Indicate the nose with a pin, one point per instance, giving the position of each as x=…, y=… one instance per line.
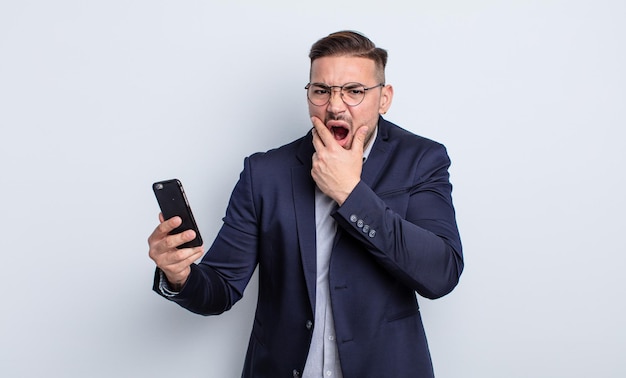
x=335, y=103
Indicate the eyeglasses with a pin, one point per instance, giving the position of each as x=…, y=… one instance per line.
x=352, y=94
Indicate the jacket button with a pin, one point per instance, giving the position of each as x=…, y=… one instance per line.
x=366, y=229
x=309, y=325
x=372, y=233
x=296, y=373
x=353, y=218
x=360, y=223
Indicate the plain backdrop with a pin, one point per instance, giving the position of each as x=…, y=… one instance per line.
x=98, y=99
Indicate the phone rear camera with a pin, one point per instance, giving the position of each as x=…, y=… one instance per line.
x=159, y=186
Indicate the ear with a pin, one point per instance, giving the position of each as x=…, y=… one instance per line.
x=385, y=99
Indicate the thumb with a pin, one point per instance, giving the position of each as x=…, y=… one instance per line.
x=359, y=139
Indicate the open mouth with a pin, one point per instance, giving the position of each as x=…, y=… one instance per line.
x=339, y=132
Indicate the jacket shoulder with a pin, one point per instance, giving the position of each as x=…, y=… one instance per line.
x=401, y=135
x=409, y=145
x=286, y=153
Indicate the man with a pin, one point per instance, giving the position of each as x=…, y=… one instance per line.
x=345, y=225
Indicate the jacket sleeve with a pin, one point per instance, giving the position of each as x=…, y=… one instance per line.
x=219, y=280
x=411, y=230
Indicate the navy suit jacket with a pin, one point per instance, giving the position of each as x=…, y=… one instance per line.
x=397, y=235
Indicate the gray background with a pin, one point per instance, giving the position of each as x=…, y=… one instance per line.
x=100, y=99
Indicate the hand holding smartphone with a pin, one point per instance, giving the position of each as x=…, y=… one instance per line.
x=173, y=202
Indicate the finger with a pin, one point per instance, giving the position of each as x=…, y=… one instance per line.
x=161, y=219
x=164, y=251
x=181, y=258
x=177, y=262
x=168, y=225
x=359, y=139
x=176, y=240
x=317, y=141
x=195, y=255
x=163, y=229
x=322, y=131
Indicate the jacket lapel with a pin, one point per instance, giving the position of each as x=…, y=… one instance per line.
x=304, y=202
x=377, y=159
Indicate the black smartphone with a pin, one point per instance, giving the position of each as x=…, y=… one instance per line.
x=173, y=202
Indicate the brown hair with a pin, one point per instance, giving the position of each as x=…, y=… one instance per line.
x=350, y=43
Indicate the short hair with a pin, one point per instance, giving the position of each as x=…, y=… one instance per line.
x=350, y=43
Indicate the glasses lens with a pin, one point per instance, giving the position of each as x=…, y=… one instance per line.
x=318, y=94
x=353, y=93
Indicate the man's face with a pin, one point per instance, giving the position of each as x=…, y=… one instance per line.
x=342, y=120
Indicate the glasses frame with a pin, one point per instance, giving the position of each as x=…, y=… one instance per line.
x=330, y=89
